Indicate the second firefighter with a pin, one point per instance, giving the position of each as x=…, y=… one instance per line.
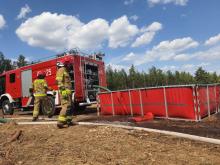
x=65, y=90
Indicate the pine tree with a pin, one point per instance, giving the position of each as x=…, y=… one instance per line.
x=201, y=76
x=132, y=77
x=5, y=64
x=21, y=61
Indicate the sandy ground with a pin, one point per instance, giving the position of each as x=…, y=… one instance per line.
x=101, y=145
x=45, y=144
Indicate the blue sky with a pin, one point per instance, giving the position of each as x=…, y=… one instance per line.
x=169, y=34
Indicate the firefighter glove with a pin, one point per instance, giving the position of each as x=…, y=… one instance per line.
x=65, y=93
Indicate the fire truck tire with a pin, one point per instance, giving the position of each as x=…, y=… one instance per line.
x=48, y=108
x=7, y=108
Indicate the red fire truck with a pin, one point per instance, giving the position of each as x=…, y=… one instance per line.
x=85, y=71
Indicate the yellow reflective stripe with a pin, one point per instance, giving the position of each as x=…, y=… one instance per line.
x=40, y=94
x=59, y=78
x=61, y=118
x=39, y=80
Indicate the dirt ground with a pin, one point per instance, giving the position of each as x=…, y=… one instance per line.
x=208, y=127
x=101, y=145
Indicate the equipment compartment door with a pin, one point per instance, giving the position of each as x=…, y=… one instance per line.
x=91, y=78
x=26, y=79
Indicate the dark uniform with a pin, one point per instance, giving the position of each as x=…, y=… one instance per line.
x=64, y=85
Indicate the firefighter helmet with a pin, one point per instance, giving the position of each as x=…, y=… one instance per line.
x=60, y=64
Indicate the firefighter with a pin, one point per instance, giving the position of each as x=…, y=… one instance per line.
x=65, y=90
x=39, y=88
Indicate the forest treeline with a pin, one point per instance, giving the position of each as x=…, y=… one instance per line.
x=8, y=64
x=120, y=79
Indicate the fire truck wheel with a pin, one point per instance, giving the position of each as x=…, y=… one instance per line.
x=7, y=108
x=48, y=108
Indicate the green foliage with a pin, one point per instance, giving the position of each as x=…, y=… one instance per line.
x=5, y=64
x=21, y=61
x=119, y=79
x=201, y=76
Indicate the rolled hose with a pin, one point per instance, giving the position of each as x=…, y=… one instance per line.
x=2, y=120
x=101, y=87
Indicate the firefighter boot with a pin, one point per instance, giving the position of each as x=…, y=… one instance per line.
x=61, y=121
x=69, y=117
x=69, y=121
x=34, y=118
x=60, y=125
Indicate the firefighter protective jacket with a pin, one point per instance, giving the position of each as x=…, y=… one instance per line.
x=40, y=87
x=63, y=79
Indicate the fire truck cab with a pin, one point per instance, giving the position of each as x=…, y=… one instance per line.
x=84, y=71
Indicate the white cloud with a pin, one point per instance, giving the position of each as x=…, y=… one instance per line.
x=213, y=40
x=192, y=67
x=67, y=32
x=129, y=57
x=134, y=17
x=166, y=50
x=88, y=37
x=169, y=67
x=128, y=2
x=155, y=26
x=185, y=67
x=177, y=45
x=149, y=34
x=182, y=57
x=2, y=22
x=118, y=67
x=176, y=2
x=121, y=32
x=144, y=39
x=211, y=54
x=23, y=12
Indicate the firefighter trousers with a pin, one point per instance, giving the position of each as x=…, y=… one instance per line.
x=66, y=112
x=38, y=101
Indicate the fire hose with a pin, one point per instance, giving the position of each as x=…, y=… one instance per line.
x=101, y=87
x=2, y=120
